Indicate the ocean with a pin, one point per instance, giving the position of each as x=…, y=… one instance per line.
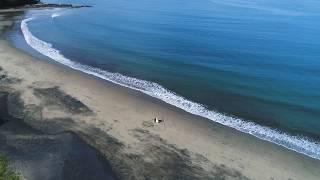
x=253, y=65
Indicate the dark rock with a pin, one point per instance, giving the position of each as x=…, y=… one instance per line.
x=12, y=3
x=40, y=5
x=34, y=4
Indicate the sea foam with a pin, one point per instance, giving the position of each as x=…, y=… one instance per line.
x=54, y=15
x=299, y=144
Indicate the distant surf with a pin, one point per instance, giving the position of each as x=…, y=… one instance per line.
x=54, y=15
x=299, y=144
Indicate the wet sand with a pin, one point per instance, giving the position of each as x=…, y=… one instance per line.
x=118, y=122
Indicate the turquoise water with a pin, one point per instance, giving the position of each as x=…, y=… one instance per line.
x=250, y=61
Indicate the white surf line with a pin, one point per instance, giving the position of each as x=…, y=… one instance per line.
x=299, y=144
x=54, y=15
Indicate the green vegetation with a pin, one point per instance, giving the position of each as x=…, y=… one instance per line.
x=5, y=173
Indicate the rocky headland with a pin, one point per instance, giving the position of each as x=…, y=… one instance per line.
x=20, y=5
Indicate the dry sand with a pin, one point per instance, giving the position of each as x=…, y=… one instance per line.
x=118, y=122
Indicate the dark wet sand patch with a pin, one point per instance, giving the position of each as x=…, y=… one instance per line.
x=56, y=97
x=163, y=158
x=15, y=105
x=5, y=80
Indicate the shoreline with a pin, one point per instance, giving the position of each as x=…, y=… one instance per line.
x=237, y=151
x=301, y=144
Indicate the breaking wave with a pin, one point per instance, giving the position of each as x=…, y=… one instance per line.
x=54, y=15
x=299, y=144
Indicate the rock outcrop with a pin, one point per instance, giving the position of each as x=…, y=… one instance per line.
x=12, y=3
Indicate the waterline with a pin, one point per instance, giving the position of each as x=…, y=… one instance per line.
x=299, y=144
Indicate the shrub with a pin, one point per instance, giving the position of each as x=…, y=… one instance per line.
x=5, y=173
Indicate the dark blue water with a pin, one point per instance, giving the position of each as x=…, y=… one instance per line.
x=257, y=60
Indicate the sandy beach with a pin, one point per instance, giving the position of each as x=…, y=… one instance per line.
x=118, y=122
